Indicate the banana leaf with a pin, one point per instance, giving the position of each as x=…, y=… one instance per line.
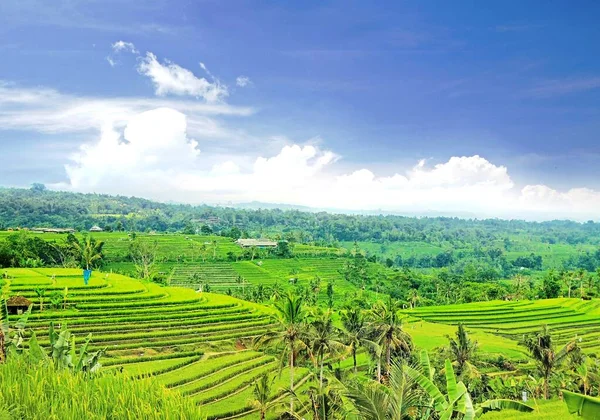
x=586, y=407
x=502, y=404
x=429, y=387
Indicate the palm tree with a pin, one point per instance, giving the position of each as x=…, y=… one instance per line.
x=547, y=358
x=90, y=251
x=214, y=244
x=324, y=337
x=326, y=402
x=387, y=326
x=291, y=318
x=356, y=332
x=567, y=279
x=462, y=348
x=413, y=298
x=519, y=281
x=262, y=398
x=375, y=401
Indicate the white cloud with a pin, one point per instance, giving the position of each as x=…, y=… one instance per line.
x=243, y=81
x=154, y=157
x=111, y=61
x=169, y=78
x=121, y=46
x=150, y=147
x=49, y=111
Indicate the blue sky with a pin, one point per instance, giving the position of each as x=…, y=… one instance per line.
x=336, y=93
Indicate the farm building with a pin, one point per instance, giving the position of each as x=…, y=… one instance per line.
x=96, y=229
x=259, y=243
x=53, y=230
x=16, y=305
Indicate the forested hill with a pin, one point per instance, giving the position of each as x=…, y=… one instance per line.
x=39, y=207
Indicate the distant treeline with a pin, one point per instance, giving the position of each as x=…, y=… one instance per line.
x=39, y=207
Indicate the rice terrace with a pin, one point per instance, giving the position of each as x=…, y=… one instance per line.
x=299, y=210
x=222, y=327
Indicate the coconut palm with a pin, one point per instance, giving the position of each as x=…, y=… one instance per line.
x=325, y=341
x=90, y=251
x=543, y=351
x=462, y=349
x=291, y=333
x=386, y=323
x=413, y=298
x=356, y=332
x=375, y=401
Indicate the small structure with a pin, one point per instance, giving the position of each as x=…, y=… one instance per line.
x=96, y=228
x=16, y=305
x=259, y=243
x=53, y=230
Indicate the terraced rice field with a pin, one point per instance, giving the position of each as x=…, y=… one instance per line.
x=220, y=275
x=568, y=319
x=194, y=343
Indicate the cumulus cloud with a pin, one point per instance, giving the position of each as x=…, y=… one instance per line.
x=242, y=81
x=171, y=79
x=150, y=147
x=122, y=46
x=153, y=156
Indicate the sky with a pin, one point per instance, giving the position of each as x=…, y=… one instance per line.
x=478, y=109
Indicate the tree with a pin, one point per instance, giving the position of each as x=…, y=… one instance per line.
x=325, y=340
x=567, y=279
x=374, y=401
x=519, y=282
x=38, y=187
x=462, y=348
x=356, y=332
x=550, y=285
x=291, y=317
x=548, y=359
x=143, y=254
x=261, y=395
x=330, y=295
x=387, y=325
x=90, y=252
x=413, y=298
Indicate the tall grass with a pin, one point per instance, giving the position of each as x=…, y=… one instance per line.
x=32, y=391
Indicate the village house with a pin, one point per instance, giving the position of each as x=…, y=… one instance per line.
x=259, y=243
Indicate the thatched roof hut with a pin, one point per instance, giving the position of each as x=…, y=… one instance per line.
x=16, y=305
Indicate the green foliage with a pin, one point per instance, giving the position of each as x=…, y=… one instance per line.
x=584, y=406
x=35, y=391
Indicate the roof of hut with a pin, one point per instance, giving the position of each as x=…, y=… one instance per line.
x=18, y=301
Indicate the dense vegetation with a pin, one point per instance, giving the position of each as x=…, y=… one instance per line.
x=346, y=317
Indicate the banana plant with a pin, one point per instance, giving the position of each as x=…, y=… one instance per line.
x=3, y=329
x=63, y=351
x=11, y=340
x=457, y=400
x=583, y=405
